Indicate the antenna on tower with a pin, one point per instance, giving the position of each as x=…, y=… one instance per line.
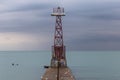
x=60, y=3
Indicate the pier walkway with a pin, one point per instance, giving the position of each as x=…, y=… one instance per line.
x=64, y=74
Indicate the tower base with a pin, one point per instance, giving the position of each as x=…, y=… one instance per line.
x=64, y=74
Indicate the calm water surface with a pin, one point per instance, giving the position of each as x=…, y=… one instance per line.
x=85, y=65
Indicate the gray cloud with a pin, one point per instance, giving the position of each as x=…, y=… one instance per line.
x=28, y=7
x=97, y=11
x=95, y=42
x=79, y=24
x=31, y=7
x=105, y=17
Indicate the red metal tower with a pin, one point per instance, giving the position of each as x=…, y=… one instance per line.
x=58, y=69
x=58, y=50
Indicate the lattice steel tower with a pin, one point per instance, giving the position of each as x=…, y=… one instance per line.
x=58, y=69
x=58, y=49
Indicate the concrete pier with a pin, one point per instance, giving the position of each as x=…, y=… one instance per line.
x=64, y=74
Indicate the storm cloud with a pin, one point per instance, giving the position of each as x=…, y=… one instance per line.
x=88, y=25
x=96, y=42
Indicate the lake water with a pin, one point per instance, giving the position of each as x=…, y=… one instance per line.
x=85, y=65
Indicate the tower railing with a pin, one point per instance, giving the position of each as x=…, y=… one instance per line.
x=58, y=12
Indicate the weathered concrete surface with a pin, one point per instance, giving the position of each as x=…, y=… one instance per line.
x=64, y=74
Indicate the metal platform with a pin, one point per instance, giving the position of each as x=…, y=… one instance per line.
x=64, y=74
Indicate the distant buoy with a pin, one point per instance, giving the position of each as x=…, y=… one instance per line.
x=13, y=64
x=17, y=64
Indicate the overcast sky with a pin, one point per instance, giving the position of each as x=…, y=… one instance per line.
x=88, y=24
